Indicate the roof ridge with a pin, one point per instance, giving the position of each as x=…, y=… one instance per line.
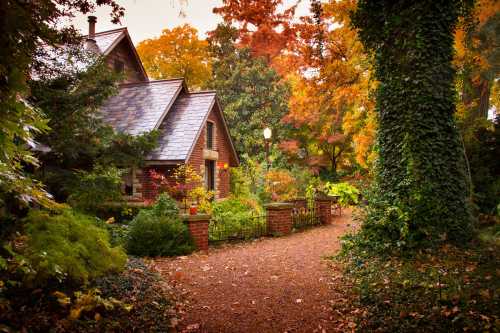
x=106, y=32
x=149, y=82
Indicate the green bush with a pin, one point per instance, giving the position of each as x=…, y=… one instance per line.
x=158, y=231
x=349, y=195
x=121, y=212
x=118, y=232
x=68, y=247
x=233, y=214
x=93, y=188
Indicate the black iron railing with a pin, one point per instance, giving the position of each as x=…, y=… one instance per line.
x=237, y=228
x=304, y=216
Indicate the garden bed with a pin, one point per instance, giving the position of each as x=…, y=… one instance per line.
x=134, y=300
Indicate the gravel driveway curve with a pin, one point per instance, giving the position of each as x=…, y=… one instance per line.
x=268, y=285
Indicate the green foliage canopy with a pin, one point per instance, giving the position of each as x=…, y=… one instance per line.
x=35, y=23
x=80, y=144
x=250, y=92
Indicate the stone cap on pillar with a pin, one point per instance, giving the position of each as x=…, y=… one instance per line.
x=278, y=206
x=195, y=218
x=326, y=197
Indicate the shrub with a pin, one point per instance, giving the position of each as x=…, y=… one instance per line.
x=118, y=232
x=240, y=182
x=68, y=247
x=96, y=187
x=121, y=212
x=158, y=231
x=201, y=198
x=234, y=214
x=165, y=206
x=304, y=179
x=349, y=195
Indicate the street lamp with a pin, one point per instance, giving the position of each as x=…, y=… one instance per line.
x=267, y=137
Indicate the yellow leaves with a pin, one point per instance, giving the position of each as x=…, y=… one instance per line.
x=62, y=298
x=177, y=53
x=89, y=302
x=75, y=313
x=281, y=185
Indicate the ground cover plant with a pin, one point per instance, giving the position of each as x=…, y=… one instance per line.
x=449, y=289
x=131, y=301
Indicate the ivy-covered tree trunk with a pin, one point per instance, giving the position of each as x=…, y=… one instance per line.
x=421, y=160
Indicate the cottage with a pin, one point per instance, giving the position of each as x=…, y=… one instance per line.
x=191, y=124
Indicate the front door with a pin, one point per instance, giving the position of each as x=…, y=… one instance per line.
x=210, y=175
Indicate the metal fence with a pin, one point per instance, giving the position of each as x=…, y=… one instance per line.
x=239, y=228
x=304, y=216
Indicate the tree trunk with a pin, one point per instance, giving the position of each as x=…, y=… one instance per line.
x=484, y=99
x=421, y=164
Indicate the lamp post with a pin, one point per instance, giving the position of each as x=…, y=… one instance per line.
x=267, y=137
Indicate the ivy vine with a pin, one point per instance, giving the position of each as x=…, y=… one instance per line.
x=421, y=167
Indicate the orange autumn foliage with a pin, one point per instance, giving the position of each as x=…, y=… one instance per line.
x=262, y=26
x=477, y=59
x=177, y=53
x=331, y=108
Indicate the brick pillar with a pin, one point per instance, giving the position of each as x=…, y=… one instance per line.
x=198, y=228
x=279, y=218
x=324, y=209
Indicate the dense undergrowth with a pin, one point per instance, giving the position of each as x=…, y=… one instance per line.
x=435, y=289
x=132, y=301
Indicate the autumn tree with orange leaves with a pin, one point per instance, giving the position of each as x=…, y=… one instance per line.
x=262, y=26
x=331, y=111
x=477, y=55
x=177, y=53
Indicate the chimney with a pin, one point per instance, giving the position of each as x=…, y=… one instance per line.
x=92, y=21
x=91, y=44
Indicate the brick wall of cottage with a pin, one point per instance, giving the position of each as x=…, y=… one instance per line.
x=224, y=156
x=143, y=183
x=123, y=53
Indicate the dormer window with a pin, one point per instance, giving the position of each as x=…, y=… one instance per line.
x=210, y=135
x=119, y=66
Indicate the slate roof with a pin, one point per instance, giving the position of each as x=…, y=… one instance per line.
x=106, y=39
x=141, y=107
x=179, y=131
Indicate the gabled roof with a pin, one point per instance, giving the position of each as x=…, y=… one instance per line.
x=106, y=41
x=183, y=126
x=141, y=107
x=179, y=131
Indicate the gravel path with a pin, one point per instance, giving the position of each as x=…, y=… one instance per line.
x=268, y=285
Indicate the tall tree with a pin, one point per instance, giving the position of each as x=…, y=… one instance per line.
x=251, y=92
x=421, y=176
x=330, y=109
x=26, y=27
x=177, y=53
